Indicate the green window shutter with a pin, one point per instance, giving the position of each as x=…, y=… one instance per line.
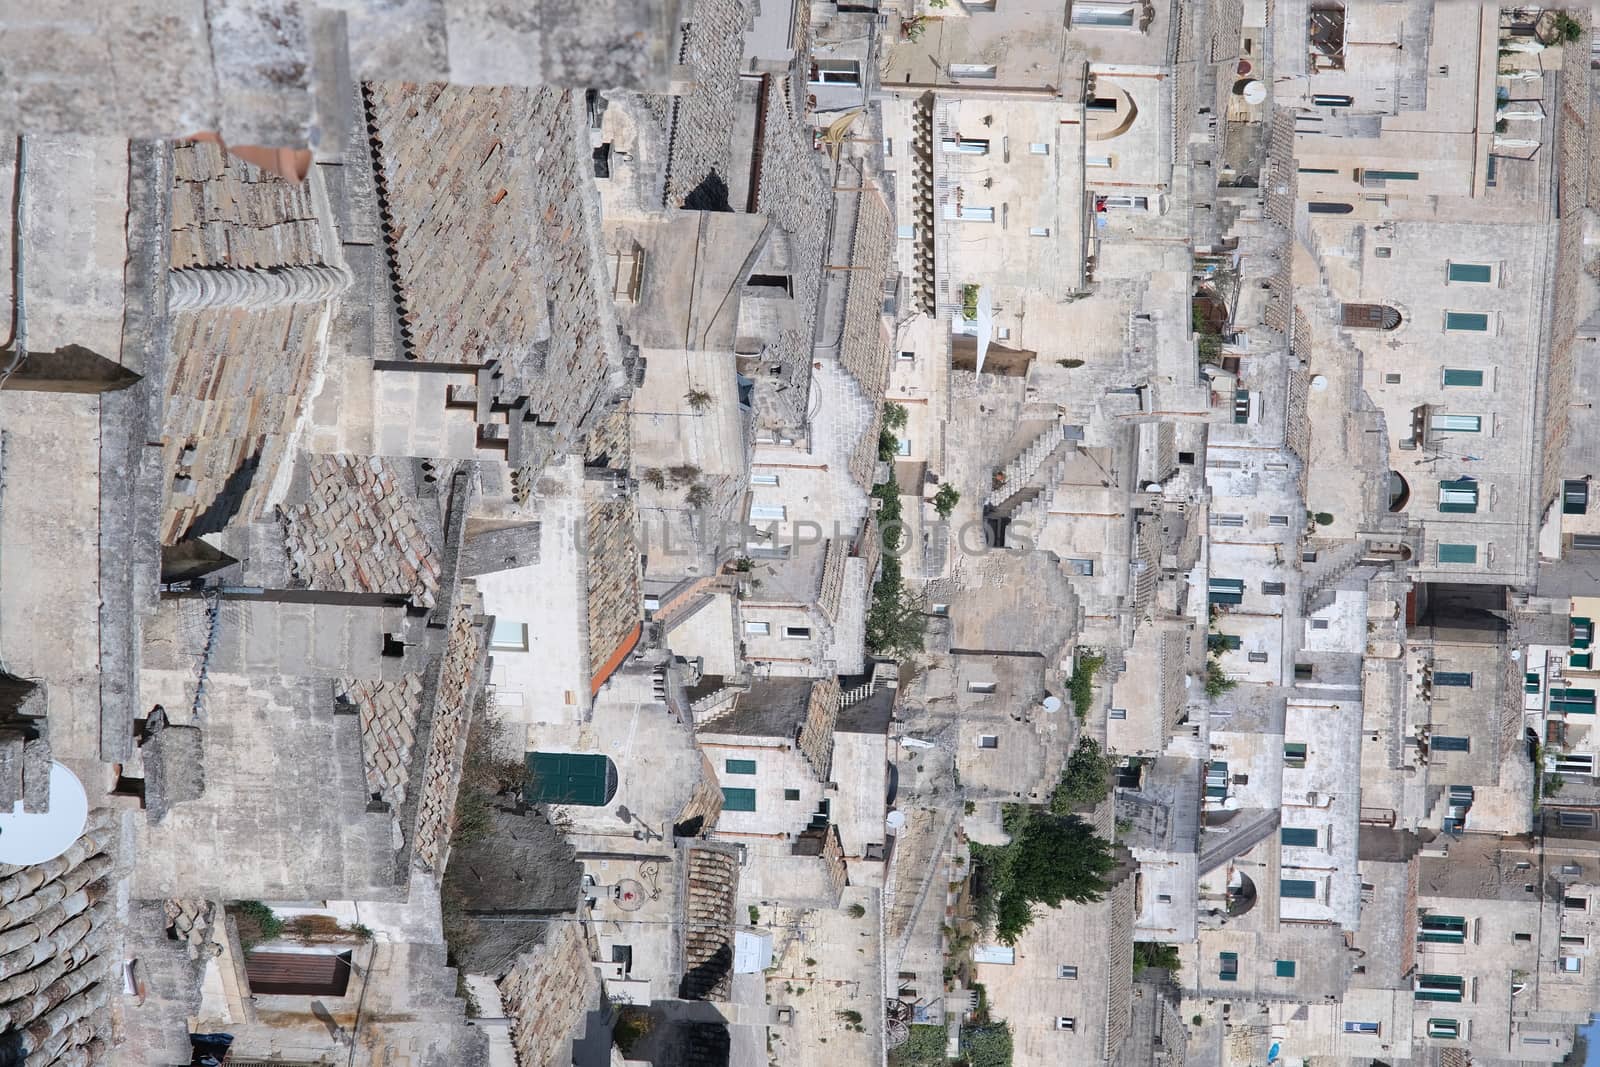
x=1457, y=423
x=1285, y=968
x=1574, y=497
x=1297, y=889
x=1470, y=272
x=1458, y=496
x=1294, y=753
x=791, y=794
x=1391, y=175
x=1442, y=743
x=1455, y=679
x=739, y=766
x=1298, y=835
x=738, y=799
x=1458, y=553
x=1582, y=632
x=1448, y=1029
x=1530, y=682
x=1228, y=969
x=1472, y=378
x=1581, y=660
x=1470, y=321
x=570, y=778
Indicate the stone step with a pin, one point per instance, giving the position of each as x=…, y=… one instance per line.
x=1021, y=470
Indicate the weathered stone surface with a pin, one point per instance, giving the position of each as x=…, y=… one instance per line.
x=459, y=679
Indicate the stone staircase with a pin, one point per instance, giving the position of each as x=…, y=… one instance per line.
x=1034, y=509
x=1020, y=472
x=1321, y=576
x=1235, y=842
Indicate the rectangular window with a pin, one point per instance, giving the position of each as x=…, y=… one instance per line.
x=1391, y=379
x=764, y=479
x=1277, y=520
x=967, y=146
x=1294, y=753
x=758, y=629
x=1272, y=588
x=1319, y=170
x=1575, y=903
x=1300, y=836
x=1038, y=148
x=906, y=231
x=767, y=512
x=1226, y=590
x=1360, y=1028
x=1066, y=1023
x=791, y=794
x=1218, y=519
x=1467, y=321
x=1066, y=971
x=965, y=213
x=1460, y=423
x=1097, y=161
x=1455, y=679
x=1576, y=820
x=1582, y=630
x=1297, y=889
x=1574, y=497
x=509, y=636
x=1038, y=231
x=1471, y=272
x=1389, y=175
x=1284, y=968
x=1118, y=713
x=1331, y=100
x=1571, y=964
x=1444, y=743
x=1458, y=553
x=1320, y=624
x=1441, y=987
x=1257, y=657
x=1444, y=1029
x=980, y=687
x=908, y=357
x=972, y=70
x=835, y=72
x=739, y=766
x=1102, y=15
x=797, y=633
x=1082, y=567
x=1229, y=969
x=1586, y=540
x=1443, y=929
x=1572, y=701
x=988, y=741
x=1469, y=378
x=1459, y=496
x=738, y=799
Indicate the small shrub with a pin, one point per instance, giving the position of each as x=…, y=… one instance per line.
x=810, y=962
x=895, y=415
x=1323, y=518
x=850, y=1015
x=888, y=445
x=1081, y=685
x=1147, y=954
x=969, y=302
x=654, y=477
x=632, y=1025
x=855, y=911
x=1217, y=682
x=1085, y=780
x=970, y=806
x=697, y=399
x=698, y=496
x=257, y=923
x=755, y=915
x=1568, y=29
x=1070, y=364
x=946, y=499
x=1198, y=1020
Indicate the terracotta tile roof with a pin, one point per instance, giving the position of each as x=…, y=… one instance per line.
x=192, y=922
x=389, y=712
x=459, y=681
x=548, y=992
x=711, y=886
x=615, y=600
x=492, y=230
x=239, y=380
x=61, y=961
x=227, y=213
x=362, y=531
x=864, y=349
x=702, y=118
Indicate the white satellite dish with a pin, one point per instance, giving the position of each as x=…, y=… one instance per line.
x=1254, y=92
x=1052, y=703
x=30, y=837
x=1516, y=655
x=895, y=820
x=1319, y=382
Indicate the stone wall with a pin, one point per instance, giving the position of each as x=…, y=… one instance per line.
x=816, y=733
x=455, y=694
x=548, y=992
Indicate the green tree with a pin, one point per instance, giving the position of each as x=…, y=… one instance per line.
x=1085, y=780
x=1055, y=859
x=895, y=415
x=987, y=1046
x=1081, y=685
x=946, y=499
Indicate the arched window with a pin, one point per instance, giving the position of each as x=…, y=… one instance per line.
x=1329, y=207
x=1399, y=492
x=1368, y=317
x=589, y=779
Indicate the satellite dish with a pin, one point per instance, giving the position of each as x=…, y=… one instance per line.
x=1052, y=703
x=1319, y=382
x=34, y=837
x=1254, y=92
x=895, y=820
x=1516, y=655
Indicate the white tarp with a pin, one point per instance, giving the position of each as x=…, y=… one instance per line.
x=752, y=951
